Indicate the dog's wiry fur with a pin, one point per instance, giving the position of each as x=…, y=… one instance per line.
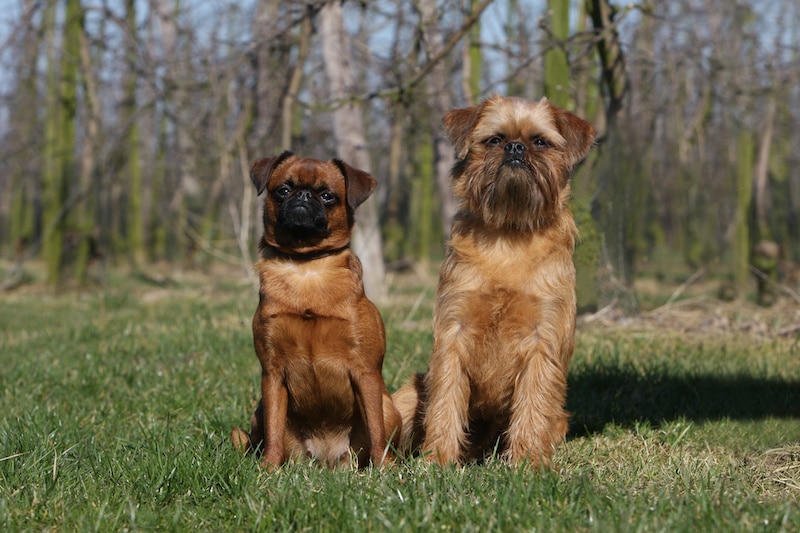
x=504, y=316
x=319, y=340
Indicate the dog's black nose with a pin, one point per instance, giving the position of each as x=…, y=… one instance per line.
x=515, y=149
x=304, y=195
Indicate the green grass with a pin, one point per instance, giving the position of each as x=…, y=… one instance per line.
x=115, y=409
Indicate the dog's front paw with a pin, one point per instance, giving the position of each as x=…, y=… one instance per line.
x=241, y=440
x=440, y=455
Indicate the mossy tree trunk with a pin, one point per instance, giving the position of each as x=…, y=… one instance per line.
x=739, y=273
x=588, y=104
x=169, y=223
x=473, y=59
x=557, y=89
x=135, y=213
x=25, y=185
x=515, y=84
x=616, y=210
x=86, y=206
x=556, y=62
x=59, y=134
x=53, y=196
x=422, y=219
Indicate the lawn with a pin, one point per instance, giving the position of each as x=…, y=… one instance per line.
x=116, y=407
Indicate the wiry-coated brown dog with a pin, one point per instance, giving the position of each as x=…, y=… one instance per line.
x=504, y=317
x=319, y=340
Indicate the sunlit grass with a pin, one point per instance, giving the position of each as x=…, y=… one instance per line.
x=116, y=408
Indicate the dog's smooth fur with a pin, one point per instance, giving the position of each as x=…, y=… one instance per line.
x=319, y=340
x=504, y=315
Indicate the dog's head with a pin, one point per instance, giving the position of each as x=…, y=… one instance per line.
x=309, y=204
x=514, y=159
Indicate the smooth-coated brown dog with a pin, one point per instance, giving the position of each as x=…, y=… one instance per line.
x=319, y=340
x=504, y=315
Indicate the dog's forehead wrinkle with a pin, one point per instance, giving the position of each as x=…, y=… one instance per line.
x=314, y=175
x=519, y=120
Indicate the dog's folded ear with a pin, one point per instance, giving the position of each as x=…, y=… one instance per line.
x=578, y=133
x=360, y=184
x=458, y=125
x=261, y=169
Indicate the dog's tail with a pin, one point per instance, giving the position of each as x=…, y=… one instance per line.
x=411, y=400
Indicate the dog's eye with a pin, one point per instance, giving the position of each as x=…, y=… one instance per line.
x=540, y=142
x=328, y=198
x=282, y=192
x=494, y=141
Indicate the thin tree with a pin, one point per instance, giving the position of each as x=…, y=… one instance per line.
x=133, y=172
x=557, y=88
x=351, y=142
x=621, y=184
x=85, y=212
x=766, y=251
x=23, y=178
x=472, y=59
x=59, y=134
x=556, y=61
x=439, y=86
x=289, y=100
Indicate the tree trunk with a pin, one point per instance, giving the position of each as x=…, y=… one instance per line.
x=169, y=222
x=85, y=212
x=556, y=89
x=135, y=213
x=421, y=223
x=588, y=103
x=612, y=61
x=441, y=102
x=351, y=142
x=473, y=60
x=24, y=183
x=60, y=135
x=556, y=62
x=159, y=215
x=739, y=273
x=515, y=82
x=766, y=252
x=53, y=197
x=290, y=97
x=622, y=187
x=267, y=85
x=394, y=231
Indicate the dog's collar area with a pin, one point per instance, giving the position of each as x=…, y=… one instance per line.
x=308, y=256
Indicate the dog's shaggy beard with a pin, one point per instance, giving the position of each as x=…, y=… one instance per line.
x=522, y=196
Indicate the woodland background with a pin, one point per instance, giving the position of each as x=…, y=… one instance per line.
x=127, y=128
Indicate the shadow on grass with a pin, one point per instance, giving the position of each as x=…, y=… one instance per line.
x=614, y=396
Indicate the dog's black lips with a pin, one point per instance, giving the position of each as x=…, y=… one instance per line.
x=302, y=218
x=514, y=161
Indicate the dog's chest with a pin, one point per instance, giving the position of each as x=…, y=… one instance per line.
x=306, y=316
x=520, y=275
x=307, y=291
x=501, y=305
x=320, y=392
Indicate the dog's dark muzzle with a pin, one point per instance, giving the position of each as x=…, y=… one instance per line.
x=303, y=213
